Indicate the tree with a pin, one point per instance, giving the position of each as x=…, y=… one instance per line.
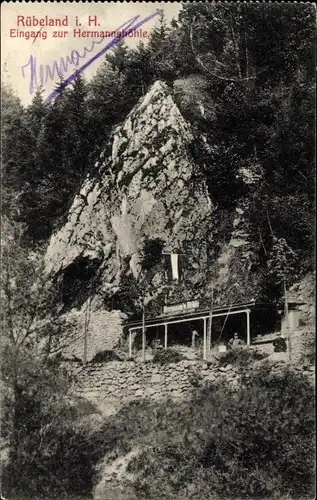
x=117, y=58
x=254, y=117
x=281, y=267
x=106, y=104
x=138, y=73
x=77, y=139
x=160, y=56
x=35, y=114
x=16, y=147
x=40, y=423
x=59, y=160
x=26, y=293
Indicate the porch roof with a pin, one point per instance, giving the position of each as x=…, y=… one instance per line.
x=203, y=313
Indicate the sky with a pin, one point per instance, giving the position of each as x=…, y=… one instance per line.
x=21, y=58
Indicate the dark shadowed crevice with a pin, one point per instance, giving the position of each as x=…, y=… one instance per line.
x=78, y=281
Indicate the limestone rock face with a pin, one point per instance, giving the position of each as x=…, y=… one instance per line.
x=147, y=187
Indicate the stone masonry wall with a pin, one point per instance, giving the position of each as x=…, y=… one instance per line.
x=114, y=384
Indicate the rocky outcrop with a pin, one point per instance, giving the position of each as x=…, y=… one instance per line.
x=146, y=197
x=148, y=191
x=149, y=188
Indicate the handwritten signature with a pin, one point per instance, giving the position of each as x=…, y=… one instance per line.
x=57, y=70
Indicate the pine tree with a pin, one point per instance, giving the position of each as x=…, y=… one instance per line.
x=110, y=98
x=138, y=74
x=16, y=146
x=161, y=58
x=117, y=58
x=78, y=137
x=35, y=114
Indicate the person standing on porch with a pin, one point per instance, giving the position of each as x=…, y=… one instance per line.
x=194, y=335
x=235, y=341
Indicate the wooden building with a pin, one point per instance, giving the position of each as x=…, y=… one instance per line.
x=177, y=323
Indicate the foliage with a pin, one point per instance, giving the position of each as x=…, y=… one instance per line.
x=243, y=75
x=15, y=140
x=281, y=261
x=41, y=425
x=164, y=356
x=255, y=442
x=253, y=121
x=44, y=429
x=25, y=295
x=240, y=356
x=105, y=356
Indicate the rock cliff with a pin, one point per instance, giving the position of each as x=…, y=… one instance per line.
x=145, y=197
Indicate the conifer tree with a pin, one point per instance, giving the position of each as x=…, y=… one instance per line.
x=16, y=147
x=161, y=59
x=117, y=58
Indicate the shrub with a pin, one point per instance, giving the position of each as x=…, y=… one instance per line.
x=240, y=356
x=105, y=356
x=309, y=355
x=51, y=450
x=164, y=356
x=255, y=442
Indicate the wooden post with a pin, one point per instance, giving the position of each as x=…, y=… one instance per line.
x=248, y=328
x=165, y=337
x=85, y=347
x=210, y=322
x=208, y=336
x=287, y=325
x=87, y=311
x=143, y=332
x=205, y=339
x=130, y=343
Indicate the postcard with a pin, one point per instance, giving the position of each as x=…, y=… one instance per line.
x=157, y=250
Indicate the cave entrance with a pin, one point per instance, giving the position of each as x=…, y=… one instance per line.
x=77, y=281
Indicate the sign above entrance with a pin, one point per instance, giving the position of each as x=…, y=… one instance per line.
x=178, y=308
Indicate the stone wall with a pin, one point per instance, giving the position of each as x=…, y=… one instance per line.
x=114, y=384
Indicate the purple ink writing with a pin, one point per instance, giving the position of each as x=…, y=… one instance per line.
x=39, y=75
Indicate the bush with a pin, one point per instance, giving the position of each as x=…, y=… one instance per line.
x=240, y=356
x=309, y=355
x=254, y=442
x=105, y=356
x=164, y=356
x=51, y=450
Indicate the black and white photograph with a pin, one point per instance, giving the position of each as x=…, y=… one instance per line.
x=158, y=250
